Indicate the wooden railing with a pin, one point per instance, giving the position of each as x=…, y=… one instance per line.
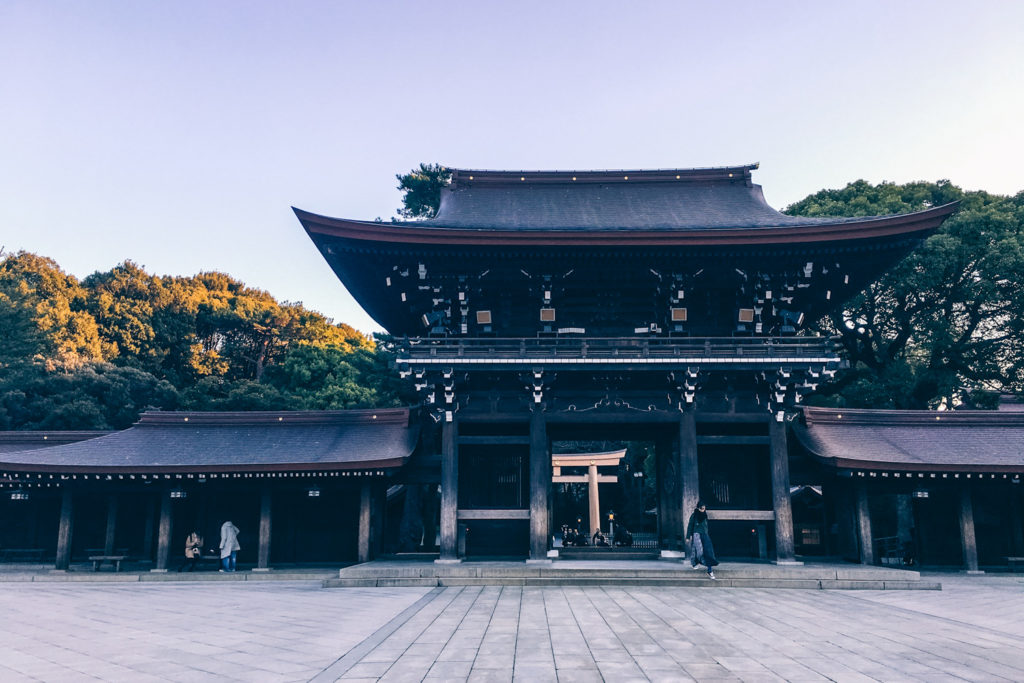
x=618, y=347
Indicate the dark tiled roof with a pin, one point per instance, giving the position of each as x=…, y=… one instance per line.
x=220, y=442
x=913, y=440
x=27, y=441
x=674, y=199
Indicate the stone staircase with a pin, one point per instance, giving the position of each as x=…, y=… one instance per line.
x=389, y=573
x=592, y=553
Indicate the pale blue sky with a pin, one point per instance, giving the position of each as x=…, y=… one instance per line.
x=179, y=134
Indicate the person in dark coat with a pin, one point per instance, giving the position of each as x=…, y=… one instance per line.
x=701, y=550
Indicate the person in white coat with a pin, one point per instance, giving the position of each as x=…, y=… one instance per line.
x=228, y=546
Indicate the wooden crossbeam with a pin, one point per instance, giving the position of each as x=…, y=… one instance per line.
x=584, y=479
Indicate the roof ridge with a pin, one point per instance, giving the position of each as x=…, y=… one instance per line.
x=268, y=417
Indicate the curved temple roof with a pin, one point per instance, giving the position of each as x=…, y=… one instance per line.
x=685, y=206
x=31, y=440
x=917, y=440
x=236, y=442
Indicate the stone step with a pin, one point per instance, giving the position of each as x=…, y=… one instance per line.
x=628, y=581
x=606, y=554
x=649, y=570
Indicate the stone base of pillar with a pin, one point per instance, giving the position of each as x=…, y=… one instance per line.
x=788, y=563
x=974, y=572
x=673, y=555
x=543, y=561
x=157, y=571
x=446, y=560
x=260, y=569
x=58, y=571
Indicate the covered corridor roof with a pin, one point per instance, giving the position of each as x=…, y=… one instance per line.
x=175, y=442
x=914, y=440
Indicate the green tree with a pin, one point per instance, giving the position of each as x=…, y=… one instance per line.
x=421, y=190
x=46, y=307
x=943, y=326
x=92, y=355
x=330, y=378
x=94, y=396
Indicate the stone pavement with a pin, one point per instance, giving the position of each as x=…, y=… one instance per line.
x=284, y=631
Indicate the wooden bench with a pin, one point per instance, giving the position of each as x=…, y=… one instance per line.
x=99, y=560
x=1013, y=562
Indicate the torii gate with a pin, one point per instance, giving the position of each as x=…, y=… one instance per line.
x=591, y=461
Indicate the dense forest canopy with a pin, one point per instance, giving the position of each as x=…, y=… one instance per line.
x=93, y=354
x=942, y=329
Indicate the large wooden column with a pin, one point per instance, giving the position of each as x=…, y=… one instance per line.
x=378, y=508
x=449, y=492
x=1016, y=522
x=266, y=520
x=867, y=544
x=147, y=533
x=670, y=495
x=540, y=485
x=967, y=538
x=779, y=455
x=163, y=542
x=108, y=545
x=689, y=471
x=66, y=528
x=365, y=506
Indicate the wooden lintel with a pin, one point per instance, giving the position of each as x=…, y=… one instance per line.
x=733, y=417
x=583, y=479
x=723, y=440
x=608, y=459
x=493, y=440
x=742, y=515
x=494, y=514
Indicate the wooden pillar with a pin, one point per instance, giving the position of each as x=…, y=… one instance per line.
x=779, y=455
x=904, y=518
x=163, y=543
x=670, y=494
x=147, y=533
x=594, y=498
x=365, y=495
x=840, y=497
x=378, y=508
x=66, y=528
x=689, y=471
x=1016, y=522
x=449, y=492
x=968, y=540
x=266, y=518
x=867, y=546
x=540, y=485
x=108, y=545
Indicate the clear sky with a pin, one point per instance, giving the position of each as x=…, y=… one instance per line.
x=179, y=134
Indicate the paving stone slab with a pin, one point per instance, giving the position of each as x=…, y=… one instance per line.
x=277, y=631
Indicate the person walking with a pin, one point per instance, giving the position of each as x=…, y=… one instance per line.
x=193, y=551
x=701, y=550
x=228, y=546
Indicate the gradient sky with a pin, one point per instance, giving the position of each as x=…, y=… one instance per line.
x=178, y=135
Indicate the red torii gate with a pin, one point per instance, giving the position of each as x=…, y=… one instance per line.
x=591, y=461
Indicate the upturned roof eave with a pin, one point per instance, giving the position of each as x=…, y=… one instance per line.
x=868, y=418
x=203, y=468
x=419, y=234
x=200, y=444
